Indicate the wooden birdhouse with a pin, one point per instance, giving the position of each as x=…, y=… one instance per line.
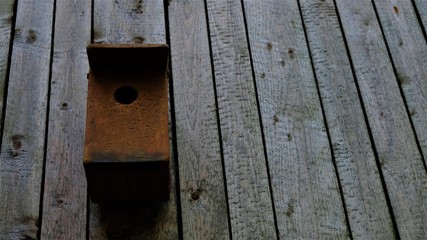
x=126, y=151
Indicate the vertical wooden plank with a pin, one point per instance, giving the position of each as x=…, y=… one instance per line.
x=408, y=49
x=249, y=197
x=133, y=21
x=64, y=201
x=6, y=24
x=305, y=186
x=129, y=21
x=203, y=198
x=366, y=205
x=401, y=162
x=22, y=148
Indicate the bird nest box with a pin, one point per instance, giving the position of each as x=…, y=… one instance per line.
x=126, y=150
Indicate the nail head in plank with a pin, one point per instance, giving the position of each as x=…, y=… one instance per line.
x=203, y=198
x=130, y=21
x=402, y=167
x=297, y=144
x=23, y=141
x=117, y=22
x=64, y=199
x=249, y=197
x=408, y=50
x=365, y=200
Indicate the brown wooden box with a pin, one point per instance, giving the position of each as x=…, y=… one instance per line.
x=126, y=152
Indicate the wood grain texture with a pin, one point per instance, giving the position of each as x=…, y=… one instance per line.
x=297, y=145
x=23, y=141
x=130, y=21
x=149, y=221
x=249, y=197
x=421, y=7
x=408, y=49
x=401, y=161
x=64, y=199
x=133, y=22
x=367, y=209
x=6, y=21
x=203, y=198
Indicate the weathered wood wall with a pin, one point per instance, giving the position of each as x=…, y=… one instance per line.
x=288, y=119
x=23, y=139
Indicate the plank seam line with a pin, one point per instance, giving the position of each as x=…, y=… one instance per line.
x=365, y=115
x=9, y=64
x=260, y=120
x=402, y=94
x=420, y=21
x=325, y=122
x=218, y=120
x=173, y=125
x=52, y=40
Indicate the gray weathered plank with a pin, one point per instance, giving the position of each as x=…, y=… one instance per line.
x=408, y=49
x=421, y=6
x=364, y=197
x=6, y=21
x=127, y=21
x=249, y=197
x=124, y=22
x=64, y=199
x=394, y=139
x=298, y=149
x=23, y=141
x=203, y=198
